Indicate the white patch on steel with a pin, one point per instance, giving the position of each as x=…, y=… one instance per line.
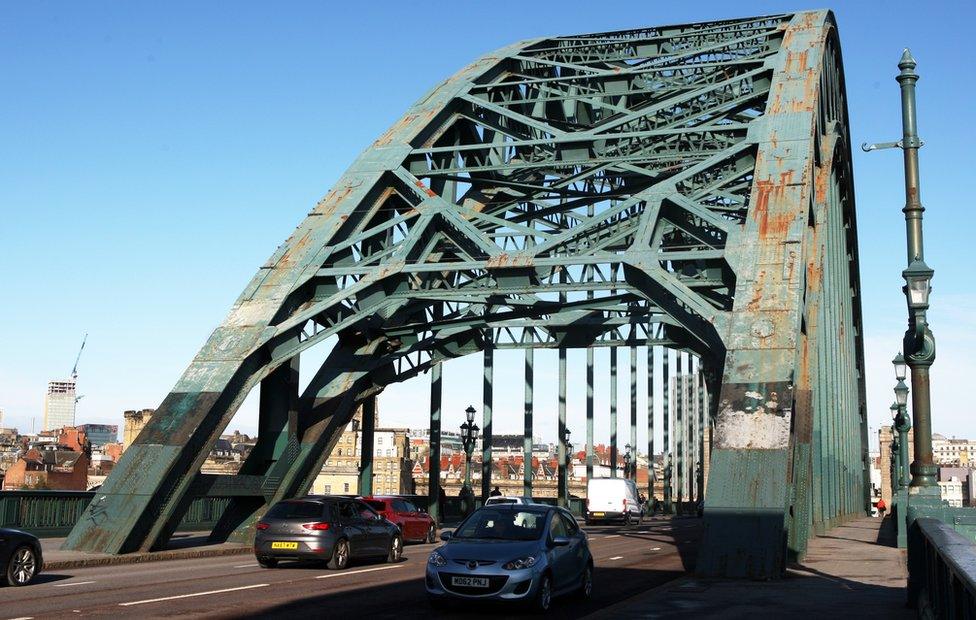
x=752, y=429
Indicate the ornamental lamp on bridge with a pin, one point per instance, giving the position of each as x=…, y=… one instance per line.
x=919, y=342
x=469, y=436
x=899, y=363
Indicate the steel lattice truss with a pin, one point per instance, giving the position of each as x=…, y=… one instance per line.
x=592, y=190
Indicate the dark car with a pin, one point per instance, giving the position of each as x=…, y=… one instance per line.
x=20, y=557
x=329, y=528
x=512, y=552
x=415, y=524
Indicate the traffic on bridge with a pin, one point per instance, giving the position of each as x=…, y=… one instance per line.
x=671, y=208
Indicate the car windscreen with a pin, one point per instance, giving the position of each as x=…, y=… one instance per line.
x=503, y=525
x=375, y=504
x=295, y=510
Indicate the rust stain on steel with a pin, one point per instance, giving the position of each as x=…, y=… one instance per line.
x=426, y=189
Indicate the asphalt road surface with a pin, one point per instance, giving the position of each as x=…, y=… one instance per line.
x=628, y=561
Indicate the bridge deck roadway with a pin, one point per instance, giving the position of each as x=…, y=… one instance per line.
x=854, y=571
x=629, y=560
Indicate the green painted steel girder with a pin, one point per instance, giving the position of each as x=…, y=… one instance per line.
x=686, y=186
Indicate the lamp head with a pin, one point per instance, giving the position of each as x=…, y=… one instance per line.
x=901, y=393
x=900, y=367
x=918, y=284
x=894, y=410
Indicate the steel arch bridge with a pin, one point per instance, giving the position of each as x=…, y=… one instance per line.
x=684, y=186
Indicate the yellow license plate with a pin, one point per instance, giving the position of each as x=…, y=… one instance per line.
x=597, y=514
x=284, y=545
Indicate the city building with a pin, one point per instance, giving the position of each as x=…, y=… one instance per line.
x=952, y=491
x=953, y=451
x=61, y=464
x=100, y=434
x=392, y=461
x=59, y=404
x=134, y=422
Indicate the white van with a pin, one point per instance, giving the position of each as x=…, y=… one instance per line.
x=613, y=499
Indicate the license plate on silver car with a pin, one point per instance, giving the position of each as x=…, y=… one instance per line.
x=470, y=582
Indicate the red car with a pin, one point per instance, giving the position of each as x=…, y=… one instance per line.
x=415, y=525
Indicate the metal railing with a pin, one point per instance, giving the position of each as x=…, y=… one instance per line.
x=52, y=514
x=941, y=571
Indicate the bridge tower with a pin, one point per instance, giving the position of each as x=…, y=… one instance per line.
x=685, y=186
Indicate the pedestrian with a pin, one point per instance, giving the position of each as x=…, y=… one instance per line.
x=881, y=506
x=495, y=492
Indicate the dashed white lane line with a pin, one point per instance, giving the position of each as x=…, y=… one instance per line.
x=617, y=557
x=247, y=565
x=655, y=548
x=77, y=583
x=612, y=536
x=357, y=572
x=178, y=596
x=23, y=618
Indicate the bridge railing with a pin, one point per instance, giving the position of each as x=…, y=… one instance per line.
x=942, y=571
x=52, y=514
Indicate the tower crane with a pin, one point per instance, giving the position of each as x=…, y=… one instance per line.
x=74, y=371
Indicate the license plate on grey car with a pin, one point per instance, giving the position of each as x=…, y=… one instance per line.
x=470, y=582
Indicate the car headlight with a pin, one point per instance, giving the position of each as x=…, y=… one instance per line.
x=436, y=559
x=520, y=563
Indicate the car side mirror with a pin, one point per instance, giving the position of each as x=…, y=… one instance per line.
x=446, y=535
x=560, y=541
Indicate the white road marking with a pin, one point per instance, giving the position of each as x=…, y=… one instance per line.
x=247, y=565
x=617, y=557
x=77, y=583
x=172, y=598
x=357, y=572
x=23, y=618
x=613, y=536
x=655, y=548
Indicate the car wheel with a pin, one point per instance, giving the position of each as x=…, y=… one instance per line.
x=586, y=587
x=22, y=566
x=431, y=534
x=396, y=549
x=543, y=597
x=340, y=555
x=267, y=562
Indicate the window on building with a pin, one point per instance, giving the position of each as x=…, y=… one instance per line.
x=328, y=489
x=345, y=487
x=379, y=441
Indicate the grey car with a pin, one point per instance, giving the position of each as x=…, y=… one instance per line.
x=513, y=552
x=325, y=528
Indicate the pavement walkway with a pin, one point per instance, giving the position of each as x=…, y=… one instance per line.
x=183, y=546
x=854, y=571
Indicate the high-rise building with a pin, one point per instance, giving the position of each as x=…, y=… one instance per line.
x=59, y=404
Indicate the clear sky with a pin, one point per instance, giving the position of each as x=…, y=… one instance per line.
x=153, y=155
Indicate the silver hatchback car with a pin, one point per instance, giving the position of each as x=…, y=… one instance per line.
x=513, y=552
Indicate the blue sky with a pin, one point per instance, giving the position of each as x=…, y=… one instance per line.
x=154, y=154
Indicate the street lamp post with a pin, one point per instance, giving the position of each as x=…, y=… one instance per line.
x=469, y=436
x=919, y=343
x=627, y=460
x=567, y=464
x=902, y=424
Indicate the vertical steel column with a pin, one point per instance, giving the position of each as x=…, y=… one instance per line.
x=562, y=491
x=650, y=424
x=486, y=411
x=366, y=447
x=666, y=448
x=527, y=432
x=690, y=416
x=434, y=459
x=633, y=412
x=679, y=431
x=702, y=417
x=589, y=413
x=613, y=412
